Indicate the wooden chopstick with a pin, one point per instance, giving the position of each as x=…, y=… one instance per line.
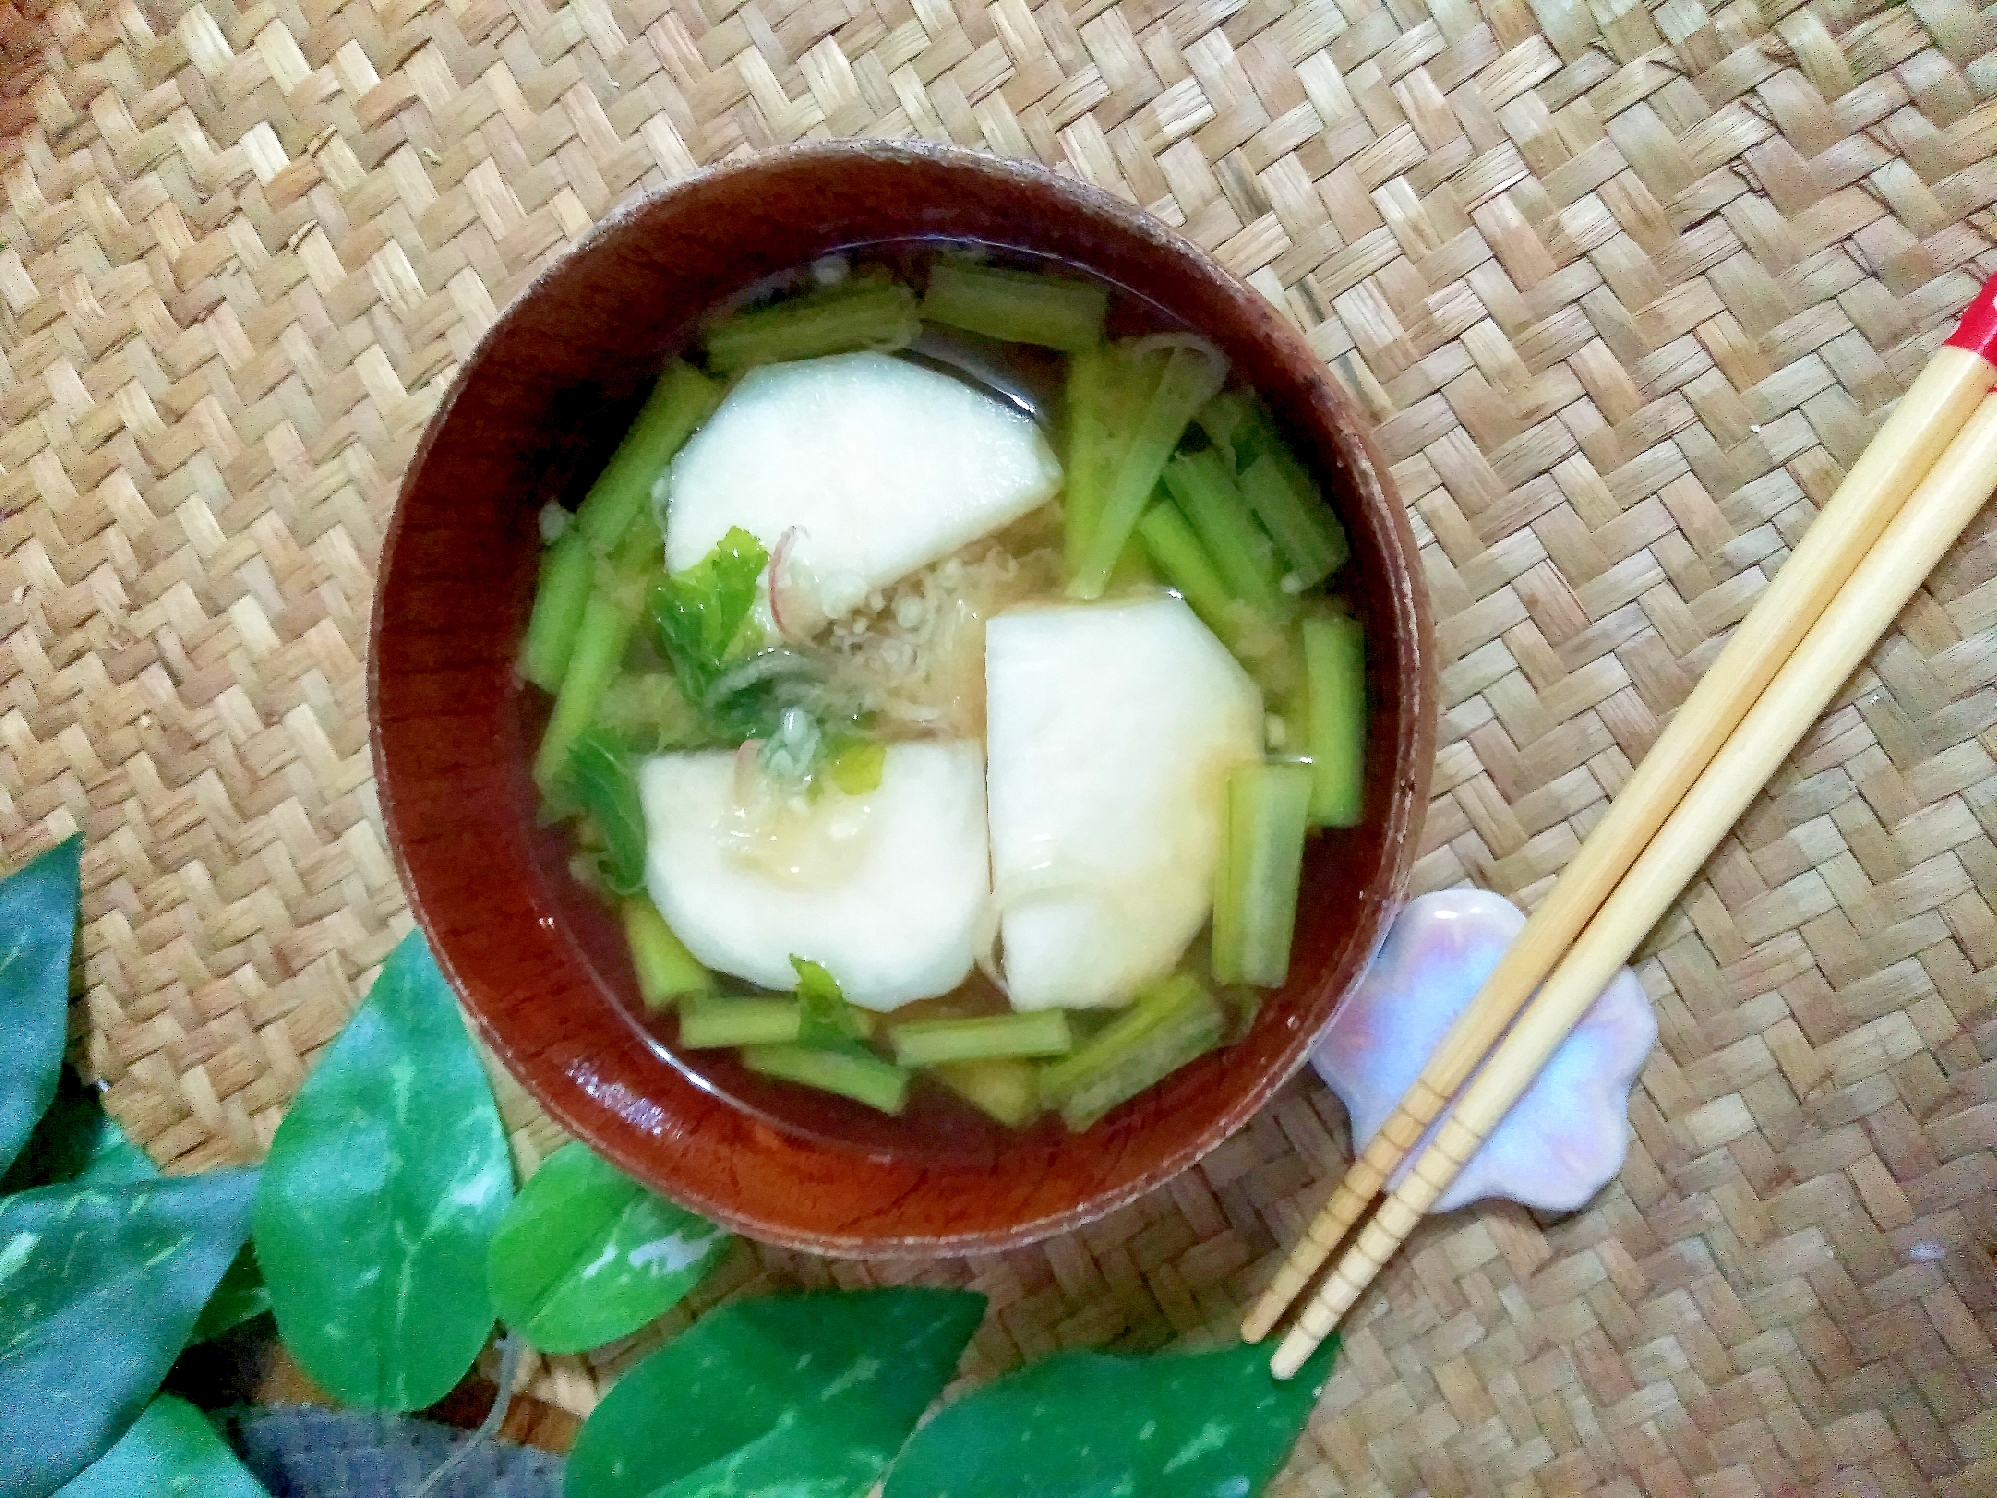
x=1881, y=586
x=1927, y=417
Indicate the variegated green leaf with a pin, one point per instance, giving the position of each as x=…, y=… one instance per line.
x=37, y=925
x=171, y=1451
x=586, y=1255
x=1089, y=1425
x=385, y=1184
x=793, y=1396
x=99, y=1288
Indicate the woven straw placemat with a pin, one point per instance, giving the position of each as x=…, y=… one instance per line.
x=1625, y=289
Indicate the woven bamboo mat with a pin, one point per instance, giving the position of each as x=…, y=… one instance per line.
x=1625, y=289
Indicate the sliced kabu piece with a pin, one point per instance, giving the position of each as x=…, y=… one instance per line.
x=885, y=889
x=1111, y=730
x=854, y=471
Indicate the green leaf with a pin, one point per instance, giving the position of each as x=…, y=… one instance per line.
x=37, y=925
x=77, y=1141
x=794, y=1396
x=586, y=1255
x=1088, y=1425
x=384, y=1186
x=829, y=1021
x=99, y=1287
x=171, y=1451
x=241, y=1295
x=702, y=611
x=600, y=776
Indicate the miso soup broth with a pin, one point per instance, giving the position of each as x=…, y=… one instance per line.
x=929, y=701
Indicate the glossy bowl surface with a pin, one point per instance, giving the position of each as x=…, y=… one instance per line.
x=533, y=413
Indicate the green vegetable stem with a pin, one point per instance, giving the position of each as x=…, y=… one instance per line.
x=1255, y=901
x=1016, y=306
x=681, y=399
x=667, y=971
x=1170, y=1024
x=867, y=311
x=1335, y=717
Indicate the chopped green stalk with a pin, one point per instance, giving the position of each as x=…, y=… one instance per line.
x=601, y=780
x=1034, y=1032
x=1006, y=1088
x=1133, y=572
x=667, y=971
x=559, y=600
x=710, y=1024
x=855, y=1073
x=1170, y=1024
x=1088, y=437
x=1268, y=812
x=1288, y=505
x=682, y=399
x=1335, y=673
x=1185, y=382
x=866, y=312
x=1242, y=555
x=607, y=622
x=1178, y=554
x=1017, y=306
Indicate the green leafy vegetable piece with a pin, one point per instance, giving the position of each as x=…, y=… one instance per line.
x=702, y=613
x=99, y=1287
x=171, y=1451
x=856, y=766
x=600, y=776
x=1089, y=1425
x=37, y=924
x=385, y=1184
x=586, y=1255
x=808, y=1396
x=829, y=1021
x=241, y=1296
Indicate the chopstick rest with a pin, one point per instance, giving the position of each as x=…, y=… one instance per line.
x=1567, y=1136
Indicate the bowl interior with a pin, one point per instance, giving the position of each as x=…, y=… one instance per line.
x=533, y=415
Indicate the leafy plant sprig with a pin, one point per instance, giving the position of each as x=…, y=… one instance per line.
x=390, y=1237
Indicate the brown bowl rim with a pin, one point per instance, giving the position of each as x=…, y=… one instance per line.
x=1414, y=740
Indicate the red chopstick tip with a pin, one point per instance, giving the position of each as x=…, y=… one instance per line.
x=1977, y=331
